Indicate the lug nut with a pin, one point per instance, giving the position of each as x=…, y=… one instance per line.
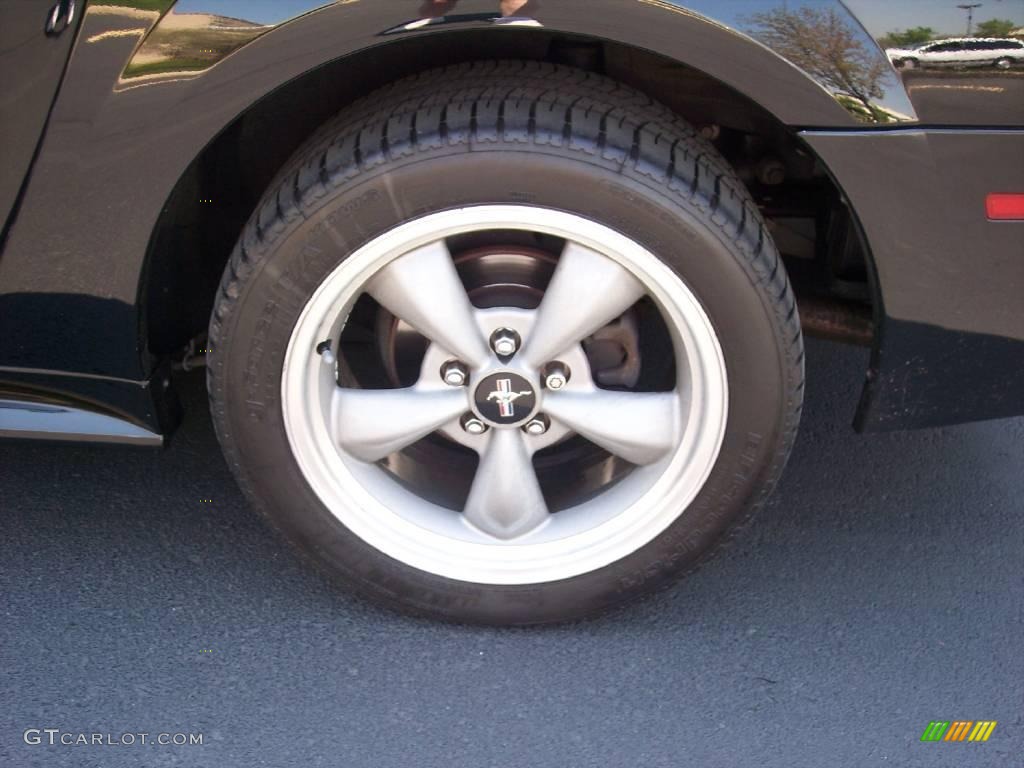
x=505, y=342
x=454, y=373
x=538, y=425
x=473, y=425
x=556, y=375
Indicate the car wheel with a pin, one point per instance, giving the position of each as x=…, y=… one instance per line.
x=908, y=64
x=1004, y=63
x=506, y=343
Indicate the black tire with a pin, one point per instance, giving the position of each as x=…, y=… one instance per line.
x=1004, y=63
x=508, y=132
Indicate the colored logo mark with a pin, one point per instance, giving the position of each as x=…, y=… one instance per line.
x=958, y=730
x=506, y=398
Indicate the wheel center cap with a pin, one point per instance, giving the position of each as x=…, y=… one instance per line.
x=505, y=398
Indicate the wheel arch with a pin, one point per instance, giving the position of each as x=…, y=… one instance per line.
x=179, y=279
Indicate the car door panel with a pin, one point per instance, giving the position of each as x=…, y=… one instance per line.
x=32, y=61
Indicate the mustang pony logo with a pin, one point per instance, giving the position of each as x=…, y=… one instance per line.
x=506, y=397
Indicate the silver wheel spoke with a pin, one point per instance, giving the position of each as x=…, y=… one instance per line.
x=586, y=292
x=424, y=289
x=640, y=427
x=371, y=423
x=505, y=500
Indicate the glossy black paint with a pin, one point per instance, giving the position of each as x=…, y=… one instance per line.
x=952, y=344
x=31, y=63
x=150, y=84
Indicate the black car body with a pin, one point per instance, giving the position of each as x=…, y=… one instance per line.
x=138, y=134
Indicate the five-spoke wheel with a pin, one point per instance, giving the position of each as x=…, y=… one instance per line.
x=506, y=382
x=507, y=342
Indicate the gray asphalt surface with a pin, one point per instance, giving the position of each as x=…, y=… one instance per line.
x=881, y=589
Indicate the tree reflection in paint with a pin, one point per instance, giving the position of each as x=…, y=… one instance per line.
x=826, y=46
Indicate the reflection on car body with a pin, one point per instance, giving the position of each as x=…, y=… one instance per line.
x=960, y=52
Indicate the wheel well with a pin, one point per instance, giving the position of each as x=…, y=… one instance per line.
x=204, y=214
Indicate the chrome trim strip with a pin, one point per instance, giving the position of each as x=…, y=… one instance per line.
x=44, y=421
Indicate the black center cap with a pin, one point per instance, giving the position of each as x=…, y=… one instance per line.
x=504, y=398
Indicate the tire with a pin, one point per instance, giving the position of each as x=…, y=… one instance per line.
x=1004, y=63
x=908, y=64
x=566, y=152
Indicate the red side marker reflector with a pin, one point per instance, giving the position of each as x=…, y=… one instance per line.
x=1005, y=207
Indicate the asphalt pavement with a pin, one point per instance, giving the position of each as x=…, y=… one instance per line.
x=882, y=588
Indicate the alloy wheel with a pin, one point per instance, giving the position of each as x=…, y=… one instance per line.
x=508, y=384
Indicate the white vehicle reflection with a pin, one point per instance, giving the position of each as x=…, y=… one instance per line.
x=1002, y=53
